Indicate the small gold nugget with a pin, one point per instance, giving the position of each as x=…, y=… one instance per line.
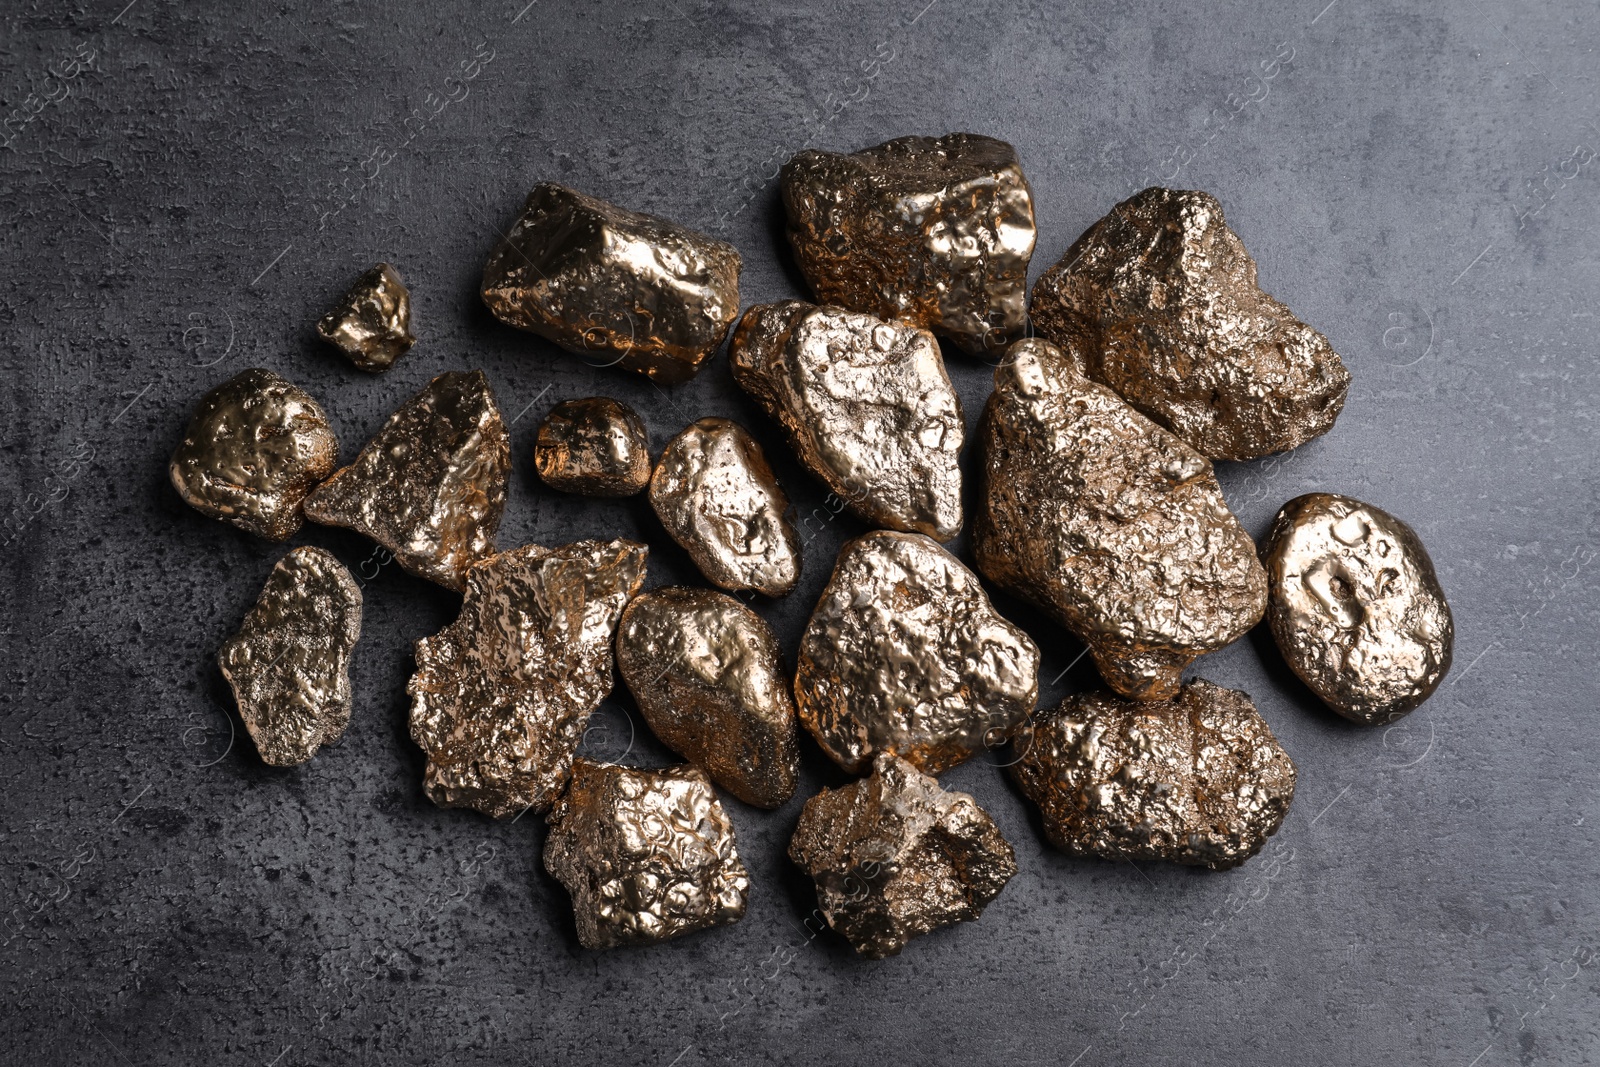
x=895, y=857
x=596, y=446
x=937, y=231
x=1198, y=779
x=617, y=287
x=289, y=664
x=706, y=673
x=1355, y=607
x=255, y=446
x=647, y=855
x=372, y=323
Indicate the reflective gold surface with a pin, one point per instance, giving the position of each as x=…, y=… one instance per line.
x=707, y=675
x=1110, y=523
x=647, y=855
x=1198, y=779
x=372, y=322
x=431, y=485
x=895, y=857
x=596, y=446
x=289, y=664
x=867, y=405
x=905, y=654
x=500, y=697
x=617, y=287
x=934, y=231
x=1355, y=607
x=1161, y=296
x=717, y=497
x=254, y=447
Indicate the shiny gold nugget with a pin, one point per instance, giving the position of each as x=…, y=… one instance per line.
x=717, y=497
x=1355, y=607
x=372, y=323
x=706, y=673
x=618, y=287
x=431, y=485
x=596, y=446
x=255, y=446
x=500, y=697
x=1110, y=523
x=647, y=855
x=895, y=857
x=868, y=407
x=905, y=654
x=1162, y=298
x=1198, y=779
x=289, y=664
x=936, y=231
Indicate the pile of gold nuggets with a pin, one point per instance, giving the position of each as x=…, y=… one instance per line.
x=1146, y=353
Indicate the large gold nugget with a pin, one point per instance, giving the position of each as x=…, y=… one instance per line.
x=707, y=676
x=289, y=664
x=1162, y=297
x=934, y=231
x=647, y=855
x=1110, y=523
x=431, y=485
x=894, y=857
x=905, y=654
x=501, y=696
x=1198, y=779
x=868, y=408
x=618, y=287
x=255, y=446
x=372, y=322
x=596, y=446
x=717, y=497
x=1356, y=608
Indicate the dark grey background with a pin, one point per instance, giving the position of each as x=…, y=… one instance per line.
x=1419, y=181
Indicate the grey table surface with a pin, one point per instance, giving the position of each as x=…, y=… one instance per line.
x=187, y=189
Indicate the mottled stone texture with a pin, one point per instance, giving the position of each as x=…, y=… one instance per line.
x=868, y=407
x=1355, y=606
x=596, y=446
x=500, y=696
x=706, y=673
x=617, y=287
x=254, y=447
x=905, y=654
x=1198, y=779
x=936, y=231
x=289, y=664
x=1161, y=297
x=895, y=857
x=372, y=322
x=1110, y=523
x=431, y=485
x=647, y=855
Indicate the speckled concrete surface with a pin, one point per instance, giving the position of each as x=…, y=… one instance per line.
x=189, y=188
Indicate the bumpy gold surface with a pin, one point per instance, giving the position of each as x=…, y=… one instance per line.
x=867, y=405
x=372, y=322
x=937, y=231
x=1162, y=297
x=500, y=697
x=717, y=497
x=1110, y=523
x=255, y=446
x=1355, y=607
x=596, y=446
x=905, y=654
x=1198, y=780
x=431, y=485
x=706, y=673
x=646, y=855
x=894, y=857
x=289, y=664
x=618, y=287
